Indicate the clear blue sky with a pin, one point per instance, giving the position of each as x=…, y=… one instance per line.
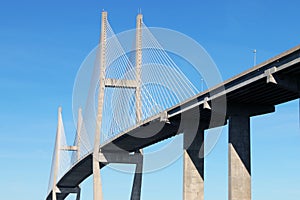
x=42, y=44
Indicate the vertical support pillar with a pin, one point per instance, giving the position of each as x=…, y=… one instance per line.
x=97, y=185
x=56, y=156
x=138, y=61
x=239, y=158
x=193, y=165
x=137, y=181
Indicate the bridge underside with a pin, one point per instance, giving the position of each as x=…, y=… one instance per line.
x=250, y=90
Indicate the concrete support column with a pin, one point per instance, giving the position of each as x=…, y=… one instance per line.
x=97, y=184
x=239, y=158
x=137, y=181
x=193, y=166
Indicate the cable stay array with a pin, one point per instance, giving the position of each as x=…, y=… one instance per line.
x=161, y=83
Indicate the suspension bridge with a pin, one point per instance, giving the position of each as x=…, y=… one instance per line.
x=142, y=97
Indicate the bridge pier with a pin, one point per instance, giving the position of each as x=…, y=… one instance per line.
x=76, y=190
x=239, y=158
x=239, y=152
x=137, y=181
x=123, y=157
x=193, y=165
x=97, y=183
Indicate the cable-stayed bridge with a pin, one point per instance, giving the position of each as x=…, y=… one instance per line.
x=138, y=98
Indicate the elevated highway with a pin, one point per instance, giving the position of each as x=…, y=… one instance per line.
x=254, y=92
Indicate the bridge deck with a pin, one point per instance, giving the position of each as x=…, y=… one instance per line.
x=248, y=88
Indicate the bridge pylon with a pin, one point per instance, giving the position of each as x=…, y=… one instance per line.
x=56, y=154
x=97, y=185
x=113, y=157
x=59, y=147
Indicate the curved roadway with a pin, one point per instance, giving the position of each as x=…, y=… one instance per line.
x=248, y=88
